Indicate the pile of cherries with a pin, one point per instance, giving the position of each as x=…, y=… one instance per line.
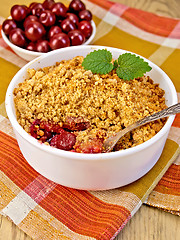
x=47, y=26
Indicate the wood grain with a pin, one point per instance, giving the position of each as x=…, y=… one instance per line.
x=148, y=223
x=168, y=8
x=151, y=224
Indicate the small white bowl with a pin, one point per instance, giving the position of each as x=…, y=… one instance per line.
x=90, y=171
x=30, y=55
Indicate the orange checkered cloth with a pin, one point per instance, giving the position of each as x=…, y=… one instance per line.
x=46, y=210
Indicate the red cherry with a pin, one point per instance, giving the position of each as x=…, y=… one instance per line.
x=42, y=46
x=76, y=37
x=34, y=31
x=31, y=46
x=85, y=15
x=37, y=9
x=47, y=18
x=73, y=17
x=59, y=9
x=59, y=40
x=17, y=37
x=67, y=25
x=32, y=4
x=47, y=4
x=53, y=31
x=8, y=25
x=86, y=28
x=76, y=6
x=64, y=140
x=19, y=12
x=30, y=18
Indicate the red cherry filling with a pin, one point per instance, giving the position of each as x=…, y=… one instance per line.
x=93, y=146
x=44, y=131
x=76, y=124
x=61, y=137
x=65, y=140
x=52, y=133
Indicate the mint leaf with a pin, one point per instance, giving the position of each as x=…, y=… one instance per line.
x=98, y=61
x=131, y=66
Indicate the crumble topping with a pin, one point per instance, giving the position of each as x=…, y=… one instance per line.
x=104, y=103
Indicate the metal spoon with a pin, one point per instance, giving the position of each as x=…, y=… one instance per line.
x=110, y=142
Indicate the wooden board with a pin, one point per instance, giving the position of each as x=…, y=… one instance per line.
x=148, y=223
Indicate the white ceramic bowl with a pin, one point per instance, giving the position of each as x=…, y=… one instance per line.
x=30, y=55
x=90, y=171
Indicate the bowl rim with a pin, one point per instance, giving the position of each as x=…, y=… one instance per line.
x=36, y=54
x=75, y=155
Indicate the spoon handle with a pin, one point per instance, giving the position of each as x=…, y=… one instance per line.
x=111, y=141
x=161, y=114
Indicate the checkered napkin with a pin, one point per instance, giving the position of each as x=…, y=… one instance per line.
x=46, y=210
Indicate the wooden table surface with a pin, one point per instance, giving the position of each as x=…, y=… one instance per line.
x=148, y=223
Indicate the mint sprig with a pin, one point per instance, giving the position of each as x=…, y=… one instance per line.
x=128, y=66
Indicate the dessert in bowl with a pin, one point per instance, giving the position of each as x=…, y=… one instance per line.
x=84, y=170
